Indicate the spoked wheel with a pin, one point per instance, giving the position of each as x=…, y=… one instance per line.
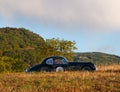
x=59, y=69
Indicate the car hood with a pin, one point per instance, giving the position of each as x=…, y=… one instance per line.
x=33, y=68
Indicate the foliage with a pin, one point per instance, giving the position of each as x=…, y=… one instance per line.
x=61, y=47
x=8, y=64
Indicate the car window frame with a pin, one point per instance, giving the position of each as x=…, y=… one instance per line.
x=63, y=60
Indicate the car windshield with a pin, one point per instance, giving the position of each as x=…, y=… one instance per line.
x=65, y=60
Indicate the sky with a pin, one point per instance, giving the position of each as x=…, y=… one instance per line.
x=93, y=24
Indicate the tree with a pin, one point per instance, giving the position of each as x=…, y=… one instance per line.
x=61, y=47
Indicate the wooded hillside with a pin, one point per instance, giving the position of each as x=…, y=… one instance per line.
x=21, y=48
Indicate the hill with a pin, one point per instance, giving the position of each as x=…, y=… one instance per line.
x=18, y=39
x=97, y=58
x=21, y=48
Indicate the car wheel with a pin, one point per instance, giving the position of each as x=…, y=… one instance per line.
x=86, y=68
x=59, y=69
x=45, y=69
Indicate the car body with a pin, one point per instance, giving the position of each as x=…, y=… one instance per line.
x=60, y=63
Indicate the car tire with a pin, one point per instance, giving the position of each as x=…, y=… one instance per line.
x=45, y=69
x=59, y=69
x=86, y=68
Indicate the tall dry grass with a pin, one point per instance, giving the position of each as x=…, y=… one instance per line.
x=106, y=79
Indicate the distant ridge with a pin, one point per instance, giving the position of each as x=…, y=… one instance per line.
x=97, y=57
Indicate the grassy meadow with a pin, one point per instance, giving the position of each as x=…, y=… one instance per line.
x=106, y=79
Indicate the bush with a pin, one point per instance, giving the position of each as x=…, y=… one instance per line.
x=8, y=64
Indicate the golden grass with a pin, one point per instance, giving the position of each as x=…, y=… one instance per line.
x=106, y=79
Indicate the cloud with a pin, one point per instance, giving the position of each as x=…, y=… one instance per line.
x=94, y=14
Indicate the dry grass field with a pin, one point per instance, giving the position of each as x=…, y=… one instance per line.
x=106, y=79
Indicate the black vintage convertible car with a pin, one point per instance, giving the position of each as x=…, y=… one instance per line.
x=59, y=63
